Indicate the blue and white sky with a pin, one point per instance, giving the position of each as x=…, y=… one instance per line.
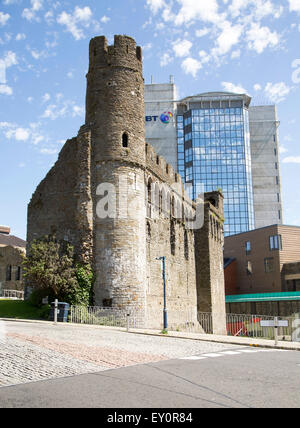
x=247, y=46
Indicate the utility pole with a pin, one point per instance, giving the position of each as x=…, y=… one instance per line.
x=165, y=318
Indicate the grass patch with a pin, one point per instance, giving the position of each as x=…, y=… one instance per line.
x=20, y=309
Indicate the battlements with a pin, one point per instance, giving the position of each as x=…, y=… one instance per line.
x=123, y=53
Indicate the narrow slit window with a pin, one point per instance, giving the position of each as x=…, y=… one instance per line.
x=125, y=140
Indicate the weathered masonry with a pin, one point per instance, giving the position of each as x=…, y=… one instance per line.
x=122, y=206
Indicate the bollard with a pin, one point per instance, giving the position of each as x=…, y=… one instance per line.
x=276, y=330
x=128, y=315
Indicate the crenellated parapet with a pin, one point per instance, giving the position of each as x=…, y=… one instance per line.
x=123, y=53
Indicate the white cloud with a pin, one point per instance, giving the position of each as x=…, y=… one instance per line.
x=20, y=36
x=7, y=125
x=277, y=92
x=53, y=112
x=165, y=59
x=9, y=2
x=5, y=90
x=46, y=97
x=4, y=17
x=191, y=66
x=231, y=87
x=9, y=59
x=231, y=29
x=105, y=19
x=147, y=47
x=30, y=14
x=203, y=10
x=19, y=134
x=182, y=48
x=62, y=109
x=294, y=5
x=203, y=32
x=236, y=54
x=291, y=159
x=49, y=17
x=80, y=16
x=48, y=151
x=78, y=111
x=258, y=9
x=282, y=149
x=205, y=57
x=259, y=38
x=229, y=37
x=257, y=87
x=155, y=5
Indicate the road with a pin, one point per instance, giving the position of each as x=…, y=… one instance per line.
x=67, y=366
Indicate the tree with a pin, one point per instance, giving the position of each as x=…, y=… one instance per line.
x=50, y=268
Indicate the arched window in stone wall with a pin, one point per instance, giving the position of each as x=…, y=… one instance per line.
x=149, y=197
x=178, y=210
x=18, y=273
x=186, y=245
x=166, y=203
x=160, y=203
x=8, y=272
x=172, y=238
x=156, y=194
x=148, y=231
x=149, y=190
x=125, y=140
x=173, y=206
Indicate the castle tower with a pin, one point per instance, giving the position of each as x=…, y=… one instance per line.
x=209, y=242
x=115, y=116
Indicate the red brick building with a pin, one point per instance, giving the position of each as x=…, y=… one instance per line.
x=267, y=260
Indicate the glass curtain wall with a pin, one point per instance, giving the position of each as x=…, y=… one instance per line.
x=214, y=153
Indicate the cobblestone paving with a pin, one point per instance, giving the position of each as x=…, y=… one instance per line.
x=24, y=362
x=36, y=351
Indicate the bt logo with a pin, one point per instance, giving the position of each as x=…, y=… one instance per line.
x=165, y=117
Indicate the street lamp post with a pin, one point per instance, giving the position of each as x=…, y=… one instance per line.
x=163, y=259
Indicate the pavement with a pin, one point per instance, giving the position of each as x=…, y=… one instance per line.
x=230, y=340
x=75, y=365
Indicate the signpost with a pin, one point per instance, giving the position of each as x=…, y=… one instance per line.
x=274, y=323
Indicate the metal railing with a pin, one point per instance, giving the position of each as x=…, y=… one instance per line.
x=13, y=294
x=183, y=321
x=98, y=316
x=249, y=326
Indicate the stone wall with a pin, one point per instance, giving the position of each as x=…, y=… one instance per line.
x=210, y=263
x=62, y=203
x=122, y=206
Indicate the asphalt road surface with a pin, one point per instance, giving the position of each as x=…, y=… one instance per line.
x=166, y=372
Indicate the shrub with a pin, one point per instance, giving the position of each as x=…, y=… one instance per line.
x=50, y=269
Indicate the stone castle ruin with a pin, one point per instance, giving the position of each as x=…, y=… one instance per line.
x=122, y=206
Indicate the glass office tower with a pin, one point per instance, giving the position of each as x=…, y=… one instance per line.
x=214, y=153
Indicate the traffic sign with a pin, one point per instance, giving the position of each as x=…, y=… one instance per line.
x=274, y=323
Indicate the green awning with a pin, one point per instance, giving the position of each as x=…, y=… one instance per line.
x=264, y=297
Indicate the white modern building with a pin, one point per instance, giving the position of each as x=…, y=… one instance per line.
x=161, y=111
x=266, y=176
